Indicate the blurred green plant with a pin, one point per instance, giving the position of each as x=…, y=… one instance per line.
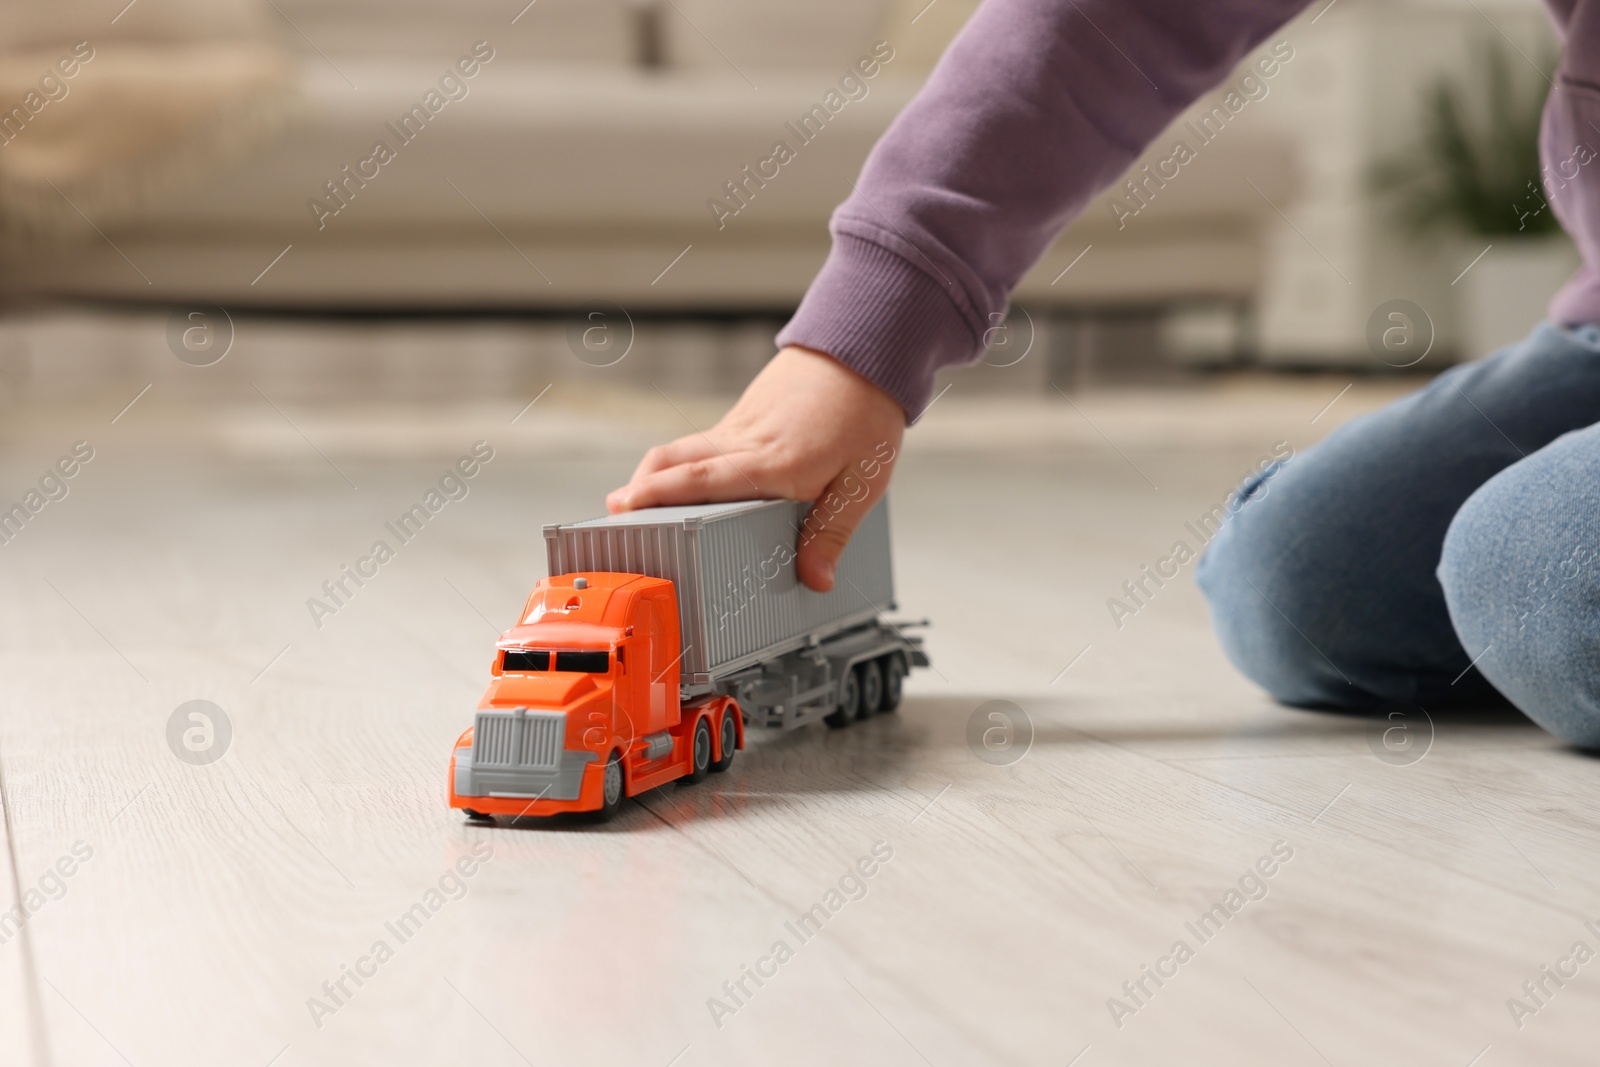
x=1477, y=167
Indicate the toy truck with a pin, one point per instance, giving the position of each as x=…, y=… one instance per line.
x=657, y=637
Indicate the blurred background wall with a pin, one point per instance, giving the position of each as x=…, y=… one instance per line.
x=579, y=182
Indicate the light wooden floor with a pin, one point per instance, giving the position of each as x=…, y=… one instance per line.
x=1018, y=899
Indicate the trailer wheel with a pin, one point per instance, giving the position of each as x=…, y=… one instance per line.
x=894, y=674
x=727, y=741
x=849, y=702
x=700, y=753
x=871, y=688
x=611, y=787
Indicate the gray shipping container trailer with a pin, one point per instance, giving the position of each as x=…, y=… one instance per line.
x=736, y=604
x=742, y=610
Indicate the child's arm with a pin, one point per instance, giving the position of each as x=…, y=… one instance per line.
x=1037, y=105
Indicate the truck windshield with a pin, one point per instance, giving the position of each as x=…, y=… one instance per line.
x=525, y=660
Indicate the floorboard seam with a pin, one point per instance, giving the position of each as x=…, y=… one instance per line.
x=38, y=1042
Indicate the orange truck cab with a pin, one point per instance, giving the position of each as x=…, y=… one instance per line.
x=584, y=704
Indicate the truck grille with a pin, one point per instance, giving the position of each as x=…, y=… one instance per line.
x=519, y=738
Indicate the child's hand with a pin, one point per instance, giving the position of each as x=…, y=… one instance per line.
x=807, y=428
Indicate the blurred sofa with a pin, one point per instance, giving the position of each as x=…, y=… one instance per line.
x=575, y=169
x=570, y=169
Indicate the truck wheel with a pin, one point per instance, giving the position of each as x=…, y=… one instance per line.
x=871, y=688
x=476, y=816
x=611, y=788
x=894, y=673
x=728, y=740
x=700, y=752
x=849, y=702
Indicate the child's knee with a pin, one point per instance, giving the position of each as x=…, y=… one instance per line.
x=1521, y=576
x=1275, y=614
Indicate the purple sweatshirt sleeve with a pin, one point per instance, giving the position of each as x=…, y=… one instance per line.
x=1036, y=106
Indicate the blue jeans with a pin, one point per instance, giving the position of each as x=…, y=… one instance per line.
x=1436, y=551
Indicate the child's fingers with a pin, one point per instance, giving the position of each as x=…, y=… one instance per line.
x=829, y=524
x=713, y=480
x=689, y=449
x=683, y=450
